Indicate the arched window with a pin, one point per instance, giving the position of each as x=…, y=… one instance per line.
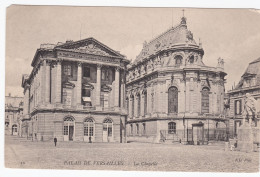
x=152, y=100
x=205, y=100
x=133, y=106
x=171, y=127
x=68, y=128
x=108, y=126
x=173, y=100
x=127, y=105
x=89, y=127
x=138, y=105
x=178, y=60
x=191, y=59
x=145, y=103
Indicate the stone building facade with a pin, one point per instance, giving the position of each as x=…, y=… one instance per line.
x=13, y=114
x=75, y=92
x=171, y=95
x=249, y=83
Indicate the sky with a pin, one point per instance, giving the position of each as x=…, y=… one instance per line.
x=232, y=34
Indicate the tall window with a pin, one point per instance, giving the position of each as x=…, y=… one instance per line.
x=108, y=126
x=133, y=106
x=127, y=105
x=238, y=107
x=173, y=100
x=86, y=72
x=205, y=100
x=104, y=99
x=89, y=127
x=178, y=60
x=144, y=129
x=191, y=59
x=67, y=70
x=105, y=74
x=138, y=105
x=137, y=129
x=152, y=100
x=145, y=103
x=131, y=129
x=171, y=127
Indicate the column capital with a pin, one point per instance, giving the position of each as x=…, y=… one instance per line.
x=59, y=61
x=117, y=68
x=79, y=64
x=48, y=62
x=99, y=66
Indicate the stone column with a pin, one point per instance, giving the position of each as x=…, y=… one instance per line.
x=130, y=107
x=58, y=82
x=142, y=104
x=47, y=82
x=122, y=97
x=116, y=92
x=42, y=81
x=98, y=87
x=79, y=84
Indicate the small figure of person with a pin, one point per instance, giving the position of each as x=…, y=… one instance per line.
x=55, y=141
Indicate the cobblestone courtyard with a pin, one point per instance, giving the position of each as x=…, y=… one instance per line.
x=22, y=153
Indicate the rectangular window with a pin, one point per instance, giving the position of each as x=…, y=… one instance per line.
x=67, y=70
x=131, y=129
x=85, y=131
x=105, y=75
x=86, y=72
x=137, y=129
x=238, y=107
x=144, y=129
x=91, y=131
x=66, y=130
x=109, y=131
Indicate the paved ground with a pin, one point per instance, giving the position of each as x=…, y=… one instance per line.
x=21, y=153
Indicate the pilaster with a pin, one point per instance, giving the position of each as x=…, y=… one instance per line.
x=98, y=88
x=79, y=84
x=58, y=82
x=116, y=91
x=47, y=82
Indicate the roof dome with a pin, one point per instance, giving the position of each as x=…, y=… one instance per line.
x=178, y=36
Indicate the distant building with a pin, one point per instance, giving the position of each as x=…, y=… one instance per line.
x=249, y=83
x=13, y=114
x=75, y=92
x=172, y=95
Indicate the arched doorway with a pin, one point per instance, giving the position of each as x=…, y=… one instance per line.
x=68, y=128
x=107, y=130
x=89, y=130
x=14, y=130
x=173, y=100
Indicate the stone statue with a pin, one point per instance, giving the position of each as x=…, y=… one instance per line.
x=249, y=108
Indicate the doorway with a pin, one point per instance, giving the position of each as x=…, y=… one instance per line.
x=68, y=129
x=198, y=133
x=107, y=130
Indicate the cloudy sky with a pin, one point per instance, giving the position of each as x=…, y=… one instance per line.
x=227, y=33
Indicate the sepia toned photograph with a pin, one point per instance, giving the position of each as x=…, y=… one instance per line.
x=132, y=89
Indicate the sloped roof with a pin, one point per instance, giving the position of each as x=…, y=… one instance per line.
x=253, y=70
x=178, y=35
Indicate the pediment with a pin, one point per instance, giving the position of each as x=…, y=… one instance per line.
x=68, y=85
x=89, y=46
x=105, y=88
x=88, y=86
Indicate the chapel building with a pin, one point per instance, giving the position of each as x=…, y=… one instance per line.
x=171, y=95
